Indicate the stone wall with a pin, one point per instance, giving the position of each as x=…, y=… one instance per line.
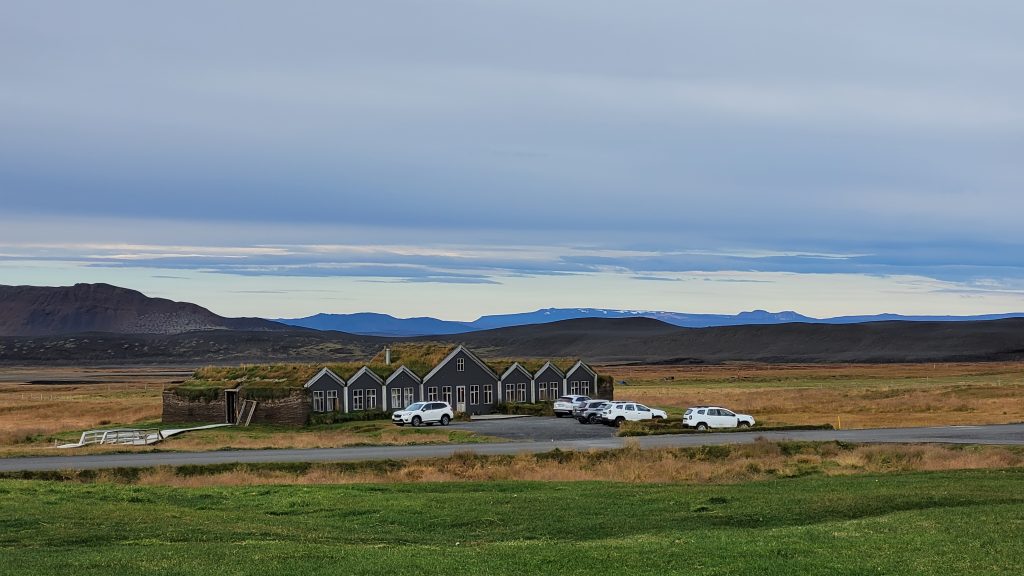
x=292, y=410
x=178, y=409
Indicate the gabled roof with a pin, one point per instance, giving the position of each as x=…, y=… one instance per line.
x=401, y=369
x=545, y=367
x=366, y=370
x=580, y=364
x=321, y=373
x=516, y=366
x=460, y=348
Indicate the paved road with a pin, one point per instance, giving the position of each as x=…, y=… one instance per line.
x=1002, y=434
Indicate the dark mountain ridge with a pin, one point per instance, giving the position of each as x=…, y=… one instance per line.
x=57, y=310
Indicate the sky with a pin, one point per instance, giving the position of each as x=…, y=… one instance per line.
x=462, y=158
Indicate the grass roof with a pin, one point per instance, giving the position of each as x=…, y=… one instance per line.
x=420, y=357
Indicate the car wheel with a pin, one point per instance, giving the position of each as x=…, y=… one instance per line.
x=619, y=421
x=416, y=420
x=445, y=420
x=702, y=426
x=657, y=418
x=593, y=419
x=744, y=424
x=582, y=420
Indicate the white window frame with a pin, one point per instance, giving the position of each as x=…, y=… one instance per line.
x=585, y=387
x=474, y=395
x=488, y=394
x=460, y=364
x=318, y=400
x=357, y=400
x=410, y=396
x=396, y=399
x=510, y=392
x=371, y=399
x=432, y=394
x=332, y=401
x=446, y=394
x=542, y=392
x=521, y=389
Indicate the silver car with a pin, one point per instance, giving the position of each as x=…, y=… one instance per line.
x=590, y=412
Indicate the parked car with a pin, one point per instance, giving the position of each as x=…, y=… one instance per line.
x=565, y=405
x=422, y=413
x=590, y=412
x=617, y=412
x=704, y=417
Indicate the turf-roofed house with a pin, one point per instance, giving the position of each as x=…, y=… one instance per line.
x=399, y=375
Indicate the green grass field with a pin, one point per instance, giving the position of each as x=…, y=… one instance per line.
x=968, y=522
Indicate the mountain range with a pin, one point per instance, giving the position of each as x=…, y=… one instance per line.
x=54, y=310
x=90, y=324
x=373, y=324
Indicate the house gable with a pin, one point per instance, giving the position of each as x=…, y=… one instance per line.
x=463, y=352
x=315, y=381
x=549, y=372
x=516, y=373
x=366, y=373
x=579, y=365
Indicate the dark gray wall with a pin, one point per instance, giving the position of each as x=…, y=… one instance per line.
x=473, y=375
x=548, y=376
x=403, y=381
x=325, y=383
x=516, y=377
x=581, y=375
x=365, y=382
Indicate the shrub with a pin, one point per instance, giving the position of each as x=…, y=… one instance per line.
x=323, y=418
x=544, y=409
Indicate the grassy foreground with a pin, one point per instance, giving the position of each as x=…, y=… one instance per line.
x=967, y=522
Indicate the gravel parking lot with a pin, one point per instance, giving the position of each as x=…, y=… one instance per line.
x=539, y=429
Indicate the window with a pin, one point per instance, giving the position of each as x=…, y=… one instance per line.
x=396, y=399
x=554, y=389
x=522, y=391
x=474, y=395
x=371, y=399
x=409, y=398
x=332, y=400
x=510, y=392
x=357, y=399
x=318, y=401
x=630, y=408
x=488, y=394
x=446, y=393
x=585, y=388
x=642, y=408
x=432, y=393
x=542, y=392
x=460, y=364
x=574, y=387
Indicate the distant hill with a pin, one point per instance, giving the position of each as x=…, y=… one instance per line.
x=50, y=311
x=649, y=340
x=598, y=340
x=372, y=324
x=385, y=325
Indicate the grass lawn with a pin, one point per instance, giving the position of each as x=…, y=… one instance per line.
x=967, y=522
x=846, y=395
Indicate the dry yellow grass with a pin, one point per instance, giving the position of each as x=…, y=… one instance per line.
x=858, y=396
x=758, y=461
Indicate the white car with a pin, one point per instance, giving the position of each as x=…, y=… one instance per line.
x=565, y=405
x=625, y=411
x=704, y=417
x=422, y=413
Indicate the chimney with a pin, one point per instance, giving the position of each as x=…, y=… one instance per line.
x=387, y=355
